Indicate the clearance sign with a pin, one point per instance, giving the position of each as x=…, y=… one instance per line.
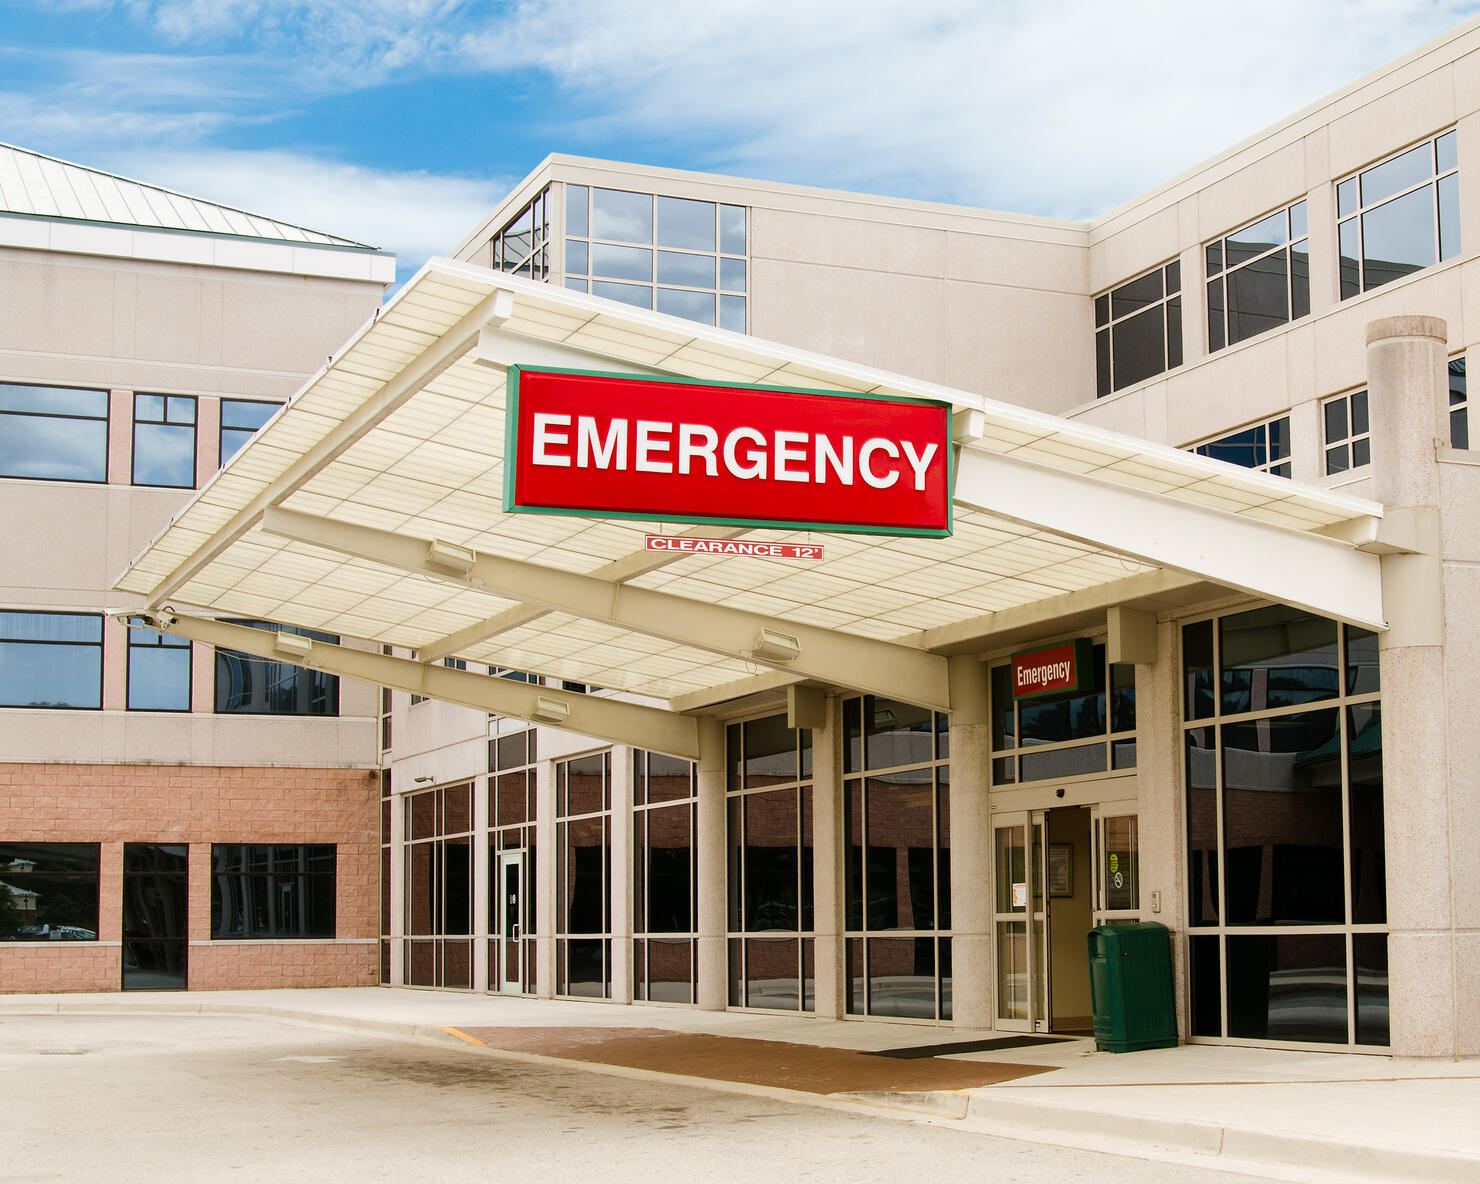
x=680, y=450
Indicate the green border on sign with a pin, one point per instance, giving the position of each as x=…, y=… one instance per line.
x=511, y=438
x=1084, y=657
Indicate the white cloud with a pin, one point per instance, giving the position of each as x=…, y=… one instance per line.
x=1065, y=107
x=415, y=214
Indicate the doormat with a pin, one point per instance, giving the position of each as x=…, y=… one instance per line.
x=944, y=1050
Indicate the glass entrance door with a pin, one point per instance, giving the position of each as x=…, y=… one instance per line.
x=1021, y=922
x=510, y=931
x=1117, y=863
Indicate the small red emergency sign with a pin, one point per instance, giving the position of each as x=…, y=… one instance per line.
x=1065, y=667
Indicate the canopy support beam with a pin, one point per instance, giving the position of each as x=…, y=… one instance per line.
x=827, y=655
x=611, y=720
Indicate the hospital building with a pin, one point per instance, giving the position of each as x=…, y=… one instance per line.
x=293, y=693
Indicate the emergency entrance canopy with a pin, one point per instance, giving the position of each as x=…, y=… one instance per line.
x=372, y=507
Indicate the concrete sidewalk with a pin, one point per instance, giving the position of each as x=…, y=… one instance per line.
x=1272, y=1114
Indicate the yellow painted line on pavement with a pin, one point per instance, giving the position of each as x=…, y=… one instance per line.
x=464, y=1036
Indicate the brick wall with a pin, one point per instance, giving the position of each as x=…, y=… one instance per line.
x=114, y=804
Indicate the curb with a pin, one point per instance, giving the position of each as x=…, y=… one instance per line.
x=1235, y=1148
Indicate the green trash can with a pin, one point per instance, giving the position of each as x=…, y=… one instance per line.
x=1130, y=978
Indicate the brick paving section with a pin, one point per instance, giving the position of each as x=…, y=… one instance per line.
x=803, y=1067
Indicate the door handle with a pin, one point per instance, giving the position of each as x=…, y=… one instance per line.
x=514, y=931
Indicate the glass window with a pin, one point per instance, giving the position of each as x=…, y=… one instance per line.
x=1264, y=447
x=53, y=433
x=1399, y=216
x=675, y=255
x=164, y=440
x=1258, y=277
x=1285, y=830
x=51, y=660
x=271, y=686
x=438, y=897
x=158, y=670
x=240, y=419
x=1459, y=404
x=49, y=891
x=1348, y=440
x=1067, y=734
x=1139, y=329
x=521, y=246
x=272, y=890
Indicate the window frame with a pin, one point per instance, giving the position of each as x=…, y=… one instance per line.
x=1459, y=403
x=1218, y=277
x=159, y=643
x=1358, y=213
x=228, y=654
x=1348, y=443
x=1106, y=321
x=166, y=404
x=9, y=877
x=97, y=645
x=1271, y=464
x=105, y=419
x=222, y=428
x=272, y=877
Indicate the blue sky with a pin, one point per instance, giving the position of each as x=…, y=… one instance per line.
x=402, y=122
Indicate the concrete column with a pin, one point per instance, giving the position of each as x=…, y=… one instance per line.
x=830, y=986
x=712, y=983
x=483, y=873
x=621, y=874
x=973, y=996
x=544, y=871
x=1406, y=371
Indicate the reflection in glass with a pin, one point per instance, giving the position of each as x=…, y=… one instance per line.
x=1370, y=953
x=155, y=915
x=49, y=891
x=688, y=271
x=1277, y=657
x=685, y=223
x=1202, y=827
x=1368, y=850
x=732, y=230
x=901, y=977
x=164, y=441
x=51, y=660
x=622, y=263
x=1287, y=987
x=53, y=433
x=691, y=306
x=1398, y=238
x=240, y=419
x=270, y=686
x=622, y=216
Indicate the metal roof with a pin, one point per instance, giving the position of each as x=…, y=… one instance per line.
x=42, y=186
x=404, y=432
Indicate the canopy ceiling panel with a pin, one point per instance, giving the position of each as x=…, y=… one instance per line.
x=403, y=432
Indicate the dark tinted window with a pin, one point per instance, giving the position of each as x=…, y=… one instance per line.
x=270, y=686
x=48, y=891
x=269, y=890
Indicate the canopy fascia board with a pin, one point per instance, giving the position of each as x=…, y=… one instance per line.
x=827, y=655
x=612, y=720
x=496, y=307
x=1306, y=570
x=500, y=347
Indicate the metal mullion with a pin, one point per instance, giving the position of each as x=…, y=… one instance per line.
x=59, y=415
x=1217, y=727
x=1327, y=704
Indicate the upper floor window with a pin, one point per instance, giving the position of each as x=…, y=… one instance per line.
x=240, y=419
x=1348, y=435
x=53, y=433
x=1258, y=277
x=1399, y=216
x=1262, y=446
x=51, y=660
x=164, y=440
x=683, y=257
x=158, y=671
x=521, y=246
x=270, y=686
x=1459, y=404
x=1138, y=329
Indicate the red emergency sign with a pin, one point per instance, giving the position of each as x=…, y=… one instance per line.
x=688, y=451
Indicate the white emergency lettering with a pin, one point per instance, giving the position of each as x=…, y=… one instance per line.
x=746, y=453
